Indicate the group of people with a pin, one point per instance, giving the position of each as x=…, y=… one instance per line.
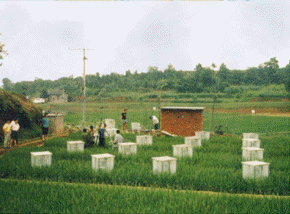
x=11, y=133
x=88, y=137
x=155, y=121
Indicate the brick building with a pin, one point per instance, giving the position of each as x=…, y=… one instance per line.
x=183, y=121
x=57, y=96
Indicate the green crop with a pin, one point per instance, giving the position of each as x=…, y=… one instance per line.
x=51, y=197
x=216, y=166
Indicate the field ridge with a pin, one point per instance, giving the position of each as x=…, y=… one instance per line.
x=144, y=188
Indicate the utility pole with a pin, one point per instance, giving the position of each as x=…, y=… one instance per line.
x=214, y=98
x=84, y=85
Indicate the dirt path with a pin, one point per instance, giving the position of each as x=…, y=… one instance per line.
x=34, y=141
x=147, y=188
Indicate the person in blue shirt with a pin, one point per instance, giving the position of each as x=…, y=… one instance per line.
x=45, y=125
x=102, y=130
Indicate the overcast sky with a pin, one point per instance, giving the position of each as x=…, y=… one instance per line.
x=135, y=35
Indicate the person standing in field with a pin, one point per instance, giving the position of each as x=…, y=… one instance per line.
x=118, y=139
x=45, y=125
x=7, y=132
x=155, y=122
x=92, y=131
x=15, y=132
x=92, y=136
x=87, y=139
x=124, y=120
x=102, y=130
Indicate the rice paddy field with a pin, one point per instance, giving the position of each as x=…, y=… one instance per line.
x=209, y=182
x=56, y=197
x=235, y=116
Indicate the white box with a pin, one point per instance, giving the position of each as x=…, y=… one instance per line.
x=110, y=123
x=203, y=135
x=193, y=141
x=250, y=136
x=255, y=169
x=110, y=132
x=182, y=150
x=136, y=126
x=103, y=161
x=74, y=146
x=164, y=164
x=252, y=153
x=251, y=142
x=127, y=148
x=144, y=139
x=41, y=158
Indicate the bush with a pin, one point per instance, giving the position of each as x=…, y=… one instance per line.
x=14, y=105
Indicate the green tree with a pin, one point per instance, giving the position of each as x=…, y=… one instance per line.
x=237, y=77
x=273, y=63
x=213, y=66
x=2, y=51
x=271, y=71
x=207, y=77
x=252, y=76
x=223, y=73
x=285, y=76
x=7, y=84
x=44, y=94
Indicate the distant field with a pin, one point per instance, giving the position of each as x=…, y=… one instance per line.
x=227, y=114
x=236, y=116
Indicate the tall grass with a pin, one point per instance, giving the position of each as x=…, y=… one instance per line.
x=215, y=166
x=39, y=197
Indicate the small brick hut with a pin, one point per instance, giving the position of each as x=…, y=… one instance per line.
x=183, y=121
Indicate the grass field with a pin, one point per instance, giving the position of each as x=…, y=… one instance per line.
x=237, y=123
x=82, y=198
x=216, y=166
x=70, y=185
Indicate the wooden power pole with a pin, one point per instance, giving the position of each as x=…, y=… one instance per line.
x=84, y=85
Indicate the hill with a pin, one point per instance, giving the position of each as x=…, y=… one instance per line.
x=13, y=105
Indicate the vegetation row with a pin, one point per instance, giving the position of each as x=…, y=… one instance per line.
x=200, y=79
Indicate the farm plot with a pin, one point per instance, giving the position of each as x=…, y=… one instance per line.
x=231, y=118
x=216, y=166
x=54, y=197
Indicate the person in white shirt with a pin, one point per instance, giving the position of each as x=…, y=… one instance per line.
x=118, y=139
x=14, y=134
x=155, y=121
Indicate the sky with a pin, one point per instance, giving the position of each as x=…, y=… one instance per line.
x=134, y=35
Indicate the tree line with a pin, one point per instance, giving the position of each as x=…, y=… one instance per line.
x=200, y=79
